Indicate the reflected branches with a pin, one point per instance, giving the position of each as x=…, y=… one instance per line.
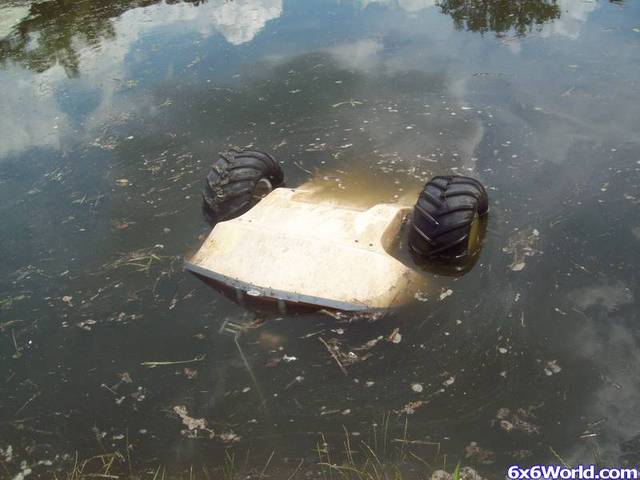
x=54, y=31
x=500, y=16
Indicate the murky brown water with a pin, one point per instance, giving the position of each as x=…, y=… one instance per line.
x=110, y=115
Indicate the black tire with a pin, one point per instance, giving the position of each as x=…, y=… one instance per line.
x=446, y=217
x=237, y=181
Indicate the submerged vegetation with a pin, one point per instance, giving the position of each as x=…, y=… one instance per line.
x=382, y=456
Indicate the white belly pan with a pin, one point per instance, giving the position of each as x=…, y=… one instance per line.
x=291, y=248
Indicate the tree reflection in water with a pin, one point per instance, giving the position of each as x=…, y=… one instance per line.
x=55, y=30
x=500, y=16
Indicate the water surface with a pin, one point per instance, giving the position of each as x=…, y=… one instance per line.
x=110, y=116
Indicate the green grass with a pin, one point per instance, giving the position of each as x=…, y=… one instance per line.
x=380, y=455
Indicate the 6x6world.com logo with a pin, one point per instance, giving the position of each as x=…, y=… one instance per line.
x=560, y=472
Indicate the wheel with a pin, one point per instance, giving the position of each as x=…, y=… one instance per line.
x=237, y=181
x=446, y=221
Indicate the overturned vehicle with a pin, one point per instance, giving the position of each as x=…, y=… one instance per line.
x=301, y=248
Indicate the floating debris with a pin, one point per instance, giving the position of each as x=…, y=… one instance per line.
x=479, y=454
x=465, y=473
x=229, y=437
x=122, y=182
x=7, y=303
x=351, y=102
x=333, y=351
x=86, y=324
x=297, y=379
x=445, y=293
x=521, y=245
x=192, y=424
x=416, y=387
x=395, y=336
x=199, y=358
x=552, y=368
x=190, y=373
x=421, y=297
x=344, y=357
x=411, y=407
x=141, y=259
x=120, y=224
x=7, y=454
x=518, y=420
x=371, y=343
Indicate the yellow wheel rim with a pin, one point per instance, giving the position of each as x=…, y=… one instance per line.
x=474, y=235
